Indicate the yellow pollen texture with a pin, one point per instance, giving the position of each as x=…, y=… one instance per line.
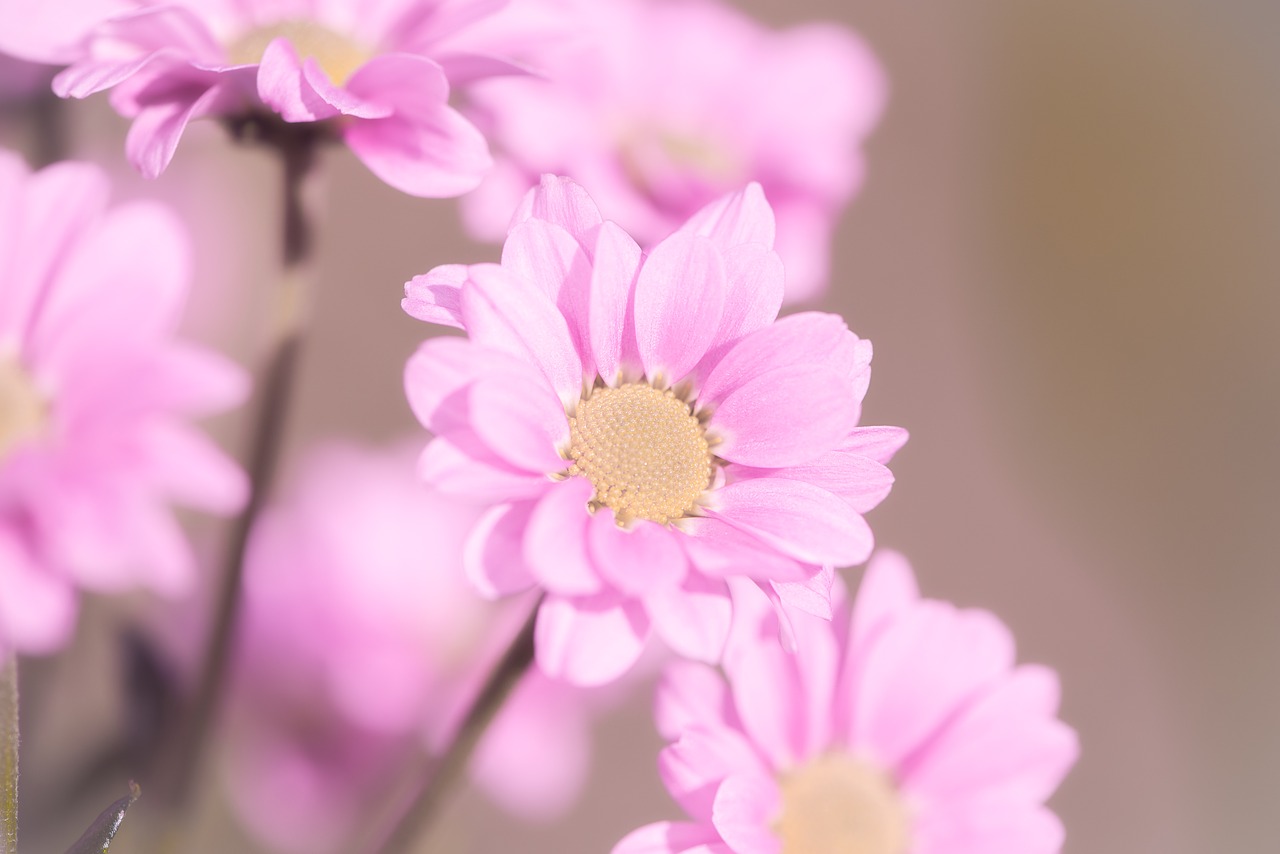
x=22, y=409
x=336, y=54
x=643, y=450
x=837, y=804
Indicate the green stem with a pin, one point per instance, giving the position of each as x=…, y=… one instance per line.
x=9, y=754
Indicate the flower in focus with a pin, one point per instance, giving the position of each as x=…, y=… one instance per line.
x=378, y=74
x=94, y=394
x=642, y=428
x=903, y=729
x=665, y=106
x=361, y=643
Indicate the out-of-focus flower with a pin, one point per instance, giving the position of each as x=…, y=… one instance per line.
x=378, y=74
x=642, y=429
x=94, y=395
x=904, y=728
x=664, y=106
x=361, y=640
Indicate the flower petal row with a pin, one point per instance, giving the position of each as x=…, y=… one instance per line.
x=643, y=427
x=95, y=393
x=903, y=726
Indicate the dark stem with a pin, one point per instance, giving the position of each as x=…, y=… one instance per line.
x=419, y=805
x=273, y=394
x=8, y=753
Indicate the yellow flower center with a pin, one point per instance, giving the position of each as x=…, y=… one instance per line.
x=23, y=410
x=643, y=450
x=837, y=804
x=337, y=55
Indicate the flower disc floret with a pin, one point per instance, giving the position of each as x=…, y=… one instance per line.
x=23, y=410
x=645, y=453
x=838, y=803
x=337, y=55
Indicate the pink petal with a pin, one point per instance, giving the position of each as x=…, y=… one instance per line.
x=38, y=610
x=703, y=756
x=878, y=443
x=158, y=127
x=754, y=285
x=721, y=550
x=589, y=641
x=746, y=806
x=667, y=837
x=283, y=88
x=767, y=693
x=189, y=469
x=339, y=97
x=991, y=828
x=562, y=202
x=555, y=544
x=436, y=296
x=524, y=424
x=798, y=519
x=443, y=367
x=679, y=298
x=741, y=217
x=645, y=559
x=813, y=595
x=613, y=277
x=510, y=315
x=549, y=257
x=493, y=559
x=888, y=591
x=694, y=618
x=451, y=465
x=691, y=694
x=859, y=480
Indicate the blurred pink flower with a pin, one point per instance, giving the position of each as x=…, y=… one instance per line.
x=664, y=106
x=641, y=427
x=904, y=728
x=362, y=639
x=94, y=395
x=378, y=73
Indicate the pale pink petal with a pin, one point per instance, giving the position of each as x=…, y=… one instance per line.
x=451, y=465
x=888, y=589
x=555, y=544
x=667, y=837
x=992, y=828
x=436, y=296
x=339, y=97
x=589, y=641
x=721, y=550
x=859, y=480
x=798, y=519
x=754, y=285
x=442, y=368
x=766, y=686
x=691, y=694
x=189, y=469
x=510, y=315
x=523, y=424
x=562, y=202
x=38, y=608
x=702, y=756
x=783, y=417
x=741, y=217
x=550, y=258
x=679, y=298
x=613, y=276
x=645, y=559
x=693, y=619
x=283, y=87
x=158, y=126
x=196, y=381
x=813, y=595
x=878, y=443
x=493, y=558
x=746, y=807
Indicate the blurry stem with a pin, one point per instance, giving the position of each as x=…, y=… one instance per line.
x=415, y=811
x=297, y=147
x=9, y=753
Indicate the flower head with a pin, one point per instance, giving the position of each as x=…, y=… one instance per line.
x=643, y=428
x=661, y=107
x=94, y=394
x=377, y=74
x=904, y=728
x=361, y=644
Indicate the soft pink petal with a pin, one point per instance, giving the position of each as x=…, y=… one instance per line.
x=693, y=619
x=436, y=296
x=813, y=595
x=798, y=519
x=589, y=641
x=158, y=127
x=691, y=694
x=859, y=480
x=679, y=298
x=493, y=559
x=877, y=443
x=523, y=424
x=555, y=545
x=436, y=375
x=38, y=608
x=668, y=837
x=451, y=465
x=189, y=469
x=283, y=87
x=562, y=202
x=613, y=275
x=746, y=806
x=645, y=559
x=701, y=758
x=741, y=217
x=510, y=315
x=766, y=686
x=549, y=257
x=992, y=828
x=754, y=285
x=719, y=549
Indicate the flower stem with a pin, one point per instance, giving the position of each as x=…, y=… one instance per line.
x=416, y=809
x=9, y=754
x=274, y=390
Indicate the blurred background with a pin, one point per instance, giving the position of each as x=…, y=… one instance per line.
x=1066, y=253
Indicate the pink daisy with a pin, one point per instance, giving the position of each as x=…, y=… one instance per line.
x=361, y=642
x=378, y=74
x=94, y=397
x=903, y=728
x=665, y=106
x=643, y=428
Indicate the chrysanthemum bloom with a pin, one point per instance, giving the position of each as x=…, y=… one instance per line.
x=665, y=106
x=643, y=428
x=362, y=642
x=377, y=74
x=94, y=396
x=904, y=728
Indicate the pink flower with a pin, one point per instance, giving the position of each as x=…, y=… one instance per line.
x=903, y=728
x=378, y=74
x=665, y=106
x=642, y=429
x=361, y=644
x=94, y=394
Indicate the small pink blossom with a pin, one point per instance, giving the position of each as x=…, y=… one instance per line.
x=94, y=397
x=903, y=727
x=378, y=74
x=642, y=427
x=362, y=642
x=665, y=106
